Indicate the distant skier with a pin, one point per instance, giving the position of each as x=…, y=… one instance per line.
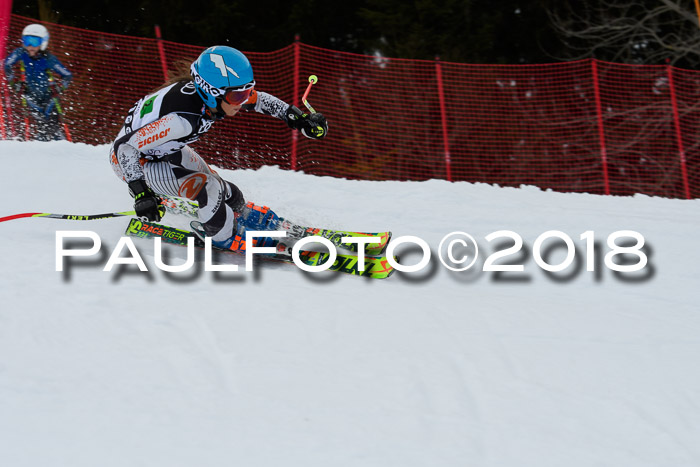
x=39, y=78
x=152, y=155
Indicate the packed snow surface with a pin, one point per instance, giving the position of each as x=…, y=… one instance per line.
x=278, y=367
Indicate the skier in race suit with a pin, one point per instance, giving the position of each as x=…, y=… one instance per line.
x=39, y=78
x=151, y=152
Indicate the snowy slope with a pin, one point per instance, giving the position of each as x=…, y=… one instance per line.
x=279, y=367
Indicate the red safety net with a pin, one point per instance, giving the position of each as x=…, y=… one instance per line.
x=584, y=126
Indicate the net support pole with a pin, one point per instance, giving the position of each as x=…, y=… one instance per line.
x=3, y=131
x=295, y=99
x=443, y=119
x=601, y=130
x=5, y=12
x=679, y=138
x=161, y=52
x=4, y=106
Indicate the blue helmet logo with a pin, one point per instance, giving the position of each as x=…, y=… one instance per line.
x=217, y=69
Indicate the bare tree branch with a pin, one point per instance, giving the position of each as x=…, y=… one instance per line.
x=629, y=31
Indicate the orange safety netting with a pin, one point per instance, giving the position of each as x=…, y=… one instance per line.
x=585, y=126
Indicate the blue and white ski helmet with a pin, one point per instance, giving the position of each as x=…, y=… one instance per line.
x=219, y=69
x=35, y=35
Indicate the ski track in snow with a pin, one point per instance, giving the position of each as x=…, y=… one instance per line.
x=279, y=367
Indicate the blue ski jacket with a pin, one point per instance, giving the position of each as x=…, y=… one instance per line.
x=40, y=73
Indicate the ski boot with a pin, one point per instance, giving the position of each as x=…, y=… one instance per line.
x=235, y=242
x=254, y=217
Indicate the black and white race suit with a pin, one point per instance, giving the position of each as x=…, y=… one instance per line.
x=153, y=145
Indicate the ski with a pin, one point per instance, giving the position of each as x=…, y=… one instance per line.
x=376, y=267
x=335, y=236
x=189, y=208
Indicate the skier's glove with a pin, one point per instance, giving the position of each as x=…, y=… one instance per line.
x=312, y=126
x=146, y=203
x=16, y=86
x=57, y=88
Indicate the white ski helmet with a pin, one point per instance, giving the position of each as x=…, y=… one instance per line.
x=35, y=31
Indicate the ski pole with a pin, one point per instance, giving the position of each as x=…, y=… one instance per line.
x=70, y=217
x=8, y=106
x=61, y=119
x=57, y=103
x=313, y=79
x=24, y=100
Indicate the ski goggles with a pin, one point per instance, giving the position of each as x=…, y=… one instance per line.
x=239, y=95
x=31, y=41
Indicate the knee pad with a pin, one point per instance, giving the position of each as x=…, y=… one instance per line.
x=192, y=185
